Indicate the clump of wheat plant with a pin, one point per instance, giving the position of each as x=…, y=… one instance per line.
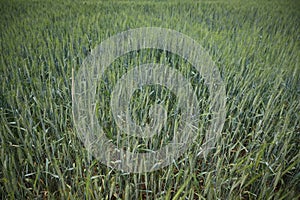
x=255, y=46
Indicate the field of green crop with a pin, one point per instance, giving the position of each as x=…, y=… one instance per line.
x=256, y=47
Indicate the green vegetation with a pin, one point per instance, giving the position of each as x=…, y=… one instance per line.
x=255, y=45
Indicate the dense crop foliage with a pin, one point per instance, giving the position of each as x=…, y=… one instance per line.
x=255, y=45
